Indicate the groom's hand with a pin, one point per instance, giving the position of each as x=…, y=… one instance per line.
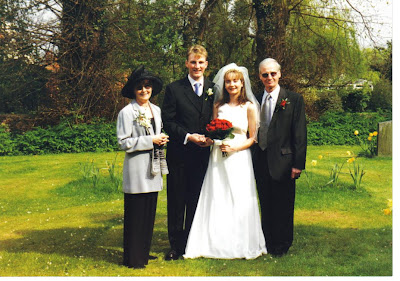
x=198, y=139
x=207, y=143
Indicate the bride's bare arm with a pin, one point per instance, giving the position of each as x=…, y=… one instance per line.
x=251, y=117
x=215, y=111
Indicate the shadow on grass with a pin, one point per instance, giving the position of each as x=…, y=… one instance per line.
x=103, y=243
x=316, y=250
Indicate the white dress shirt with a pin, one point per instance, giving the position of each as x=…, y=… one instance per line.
x=201, y=82
x=192, y=82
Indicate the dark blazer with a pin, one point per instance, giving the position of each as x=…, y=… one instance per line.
x=184, y=112
x=287, y=136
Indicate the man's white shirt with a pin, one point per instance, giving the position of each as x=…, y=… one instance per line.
x=192, y=82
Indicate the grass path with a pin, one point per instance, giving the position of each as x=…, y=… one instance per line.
x=53, y=225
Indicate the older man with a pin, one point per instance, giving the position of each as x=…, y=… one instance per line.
x=279, y=156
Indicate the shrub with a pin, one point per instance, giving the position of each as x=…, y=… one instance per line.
x=356, y=100
x=6, y=143
x=331, y=129
x=338, y=128
x=65, y=138
x=317, y=102
x=381, y=97
x=329, y=101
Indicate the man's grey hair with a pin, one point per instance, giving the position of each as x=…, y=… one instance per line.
x=269, y=61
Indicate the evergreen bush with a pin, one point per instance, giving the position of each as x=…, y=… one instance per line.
x=63, y=138
x=331, y=129
x=338, y=128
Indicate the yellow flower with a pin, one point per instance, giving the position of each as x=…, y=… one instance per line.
x=314, y=163
x=356, y=132
x=351, y=160
x=370, y=138
x=375, y=133
x=320, y=157
x=371, y=134
x=387, y=211
x=390, y=203
x=348, y=152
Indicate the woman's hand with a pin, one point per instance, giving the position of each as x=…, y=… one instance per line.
x=208, y=142
x=160, y=139
x=227, y=148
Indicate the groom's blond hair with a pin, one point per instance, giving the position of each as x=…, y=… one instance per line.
x=197, y=50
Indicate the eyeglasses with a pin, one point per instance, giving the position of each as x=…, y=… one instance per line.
x=143, y=85
x=266, y=74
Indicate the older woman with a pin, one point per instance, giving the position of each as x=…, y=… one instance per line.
x=139, y=135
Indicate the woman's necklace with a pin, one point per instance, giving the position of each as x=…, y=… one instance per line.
x=147, y=110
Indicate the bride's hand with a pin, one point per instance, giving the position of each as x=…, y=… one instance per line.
x=227, y=148
x=207, y=143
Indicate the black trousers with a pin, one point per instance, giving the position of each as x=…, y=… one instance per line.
x=139, y=216
x=184, y=183
x=277, y=206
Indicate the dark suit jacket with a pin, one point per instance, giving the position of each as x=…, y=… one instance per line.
x=184, y=112
x=287, y=136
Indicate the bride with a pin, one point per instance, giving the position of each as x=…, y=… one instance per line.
x=227, y=220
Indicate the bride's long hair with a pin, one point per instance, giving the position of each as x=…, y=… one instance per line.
x=242, y=99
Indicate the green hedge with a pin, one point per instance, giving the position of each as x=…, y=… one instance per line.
x=338, y=128
x=331, y=129
x=63, y=138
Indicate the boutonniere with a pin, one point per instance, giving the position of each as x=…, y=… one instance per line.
x=143, y=121
x=282, y=104
x=209, y=93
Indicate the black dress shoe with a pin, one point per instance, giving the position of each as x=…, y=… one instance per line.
x=152, y=257
x=139, y=266
x=172, y=255
x=277, y=254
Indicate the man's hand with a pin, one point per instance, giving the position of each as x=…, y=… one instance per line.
x=207, y=143
x=200, y=140
x=295, y=173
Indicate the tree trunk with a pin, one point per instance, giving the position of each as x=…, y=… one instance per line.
x=83, y=56
x=272, y=18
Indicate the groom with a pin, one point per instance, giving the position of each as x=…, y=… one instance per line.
x=279, y=156
x=186, y=111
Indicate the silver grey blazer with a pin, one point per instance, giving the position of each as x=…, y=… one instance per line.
x=138, y=147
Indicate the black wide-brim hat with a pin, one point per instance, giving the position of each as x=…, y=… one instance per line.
x=140, y=74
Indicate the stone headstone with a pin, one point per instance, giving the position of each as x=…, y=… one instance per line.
x=385, y=138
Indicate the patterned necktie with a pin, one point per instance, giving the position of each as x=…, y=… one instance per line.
x=197, y=86
x=265, y=120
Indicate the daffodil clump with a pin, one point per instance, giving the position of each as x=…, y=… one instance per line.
x=368, y=144
x=388, y=210
x=356, y=172
x=309, y=173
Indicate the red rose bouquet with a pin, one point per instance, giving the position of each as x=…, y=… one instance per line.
x=219, y=129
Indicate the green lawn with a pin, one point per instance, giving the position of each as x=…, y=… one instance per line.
x=54, y=223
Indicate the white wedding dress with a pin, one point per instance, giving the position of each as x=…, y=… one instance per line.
x=227, y=221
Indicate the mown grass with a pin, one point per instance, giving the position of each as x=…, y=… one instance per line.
x=55, y=223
